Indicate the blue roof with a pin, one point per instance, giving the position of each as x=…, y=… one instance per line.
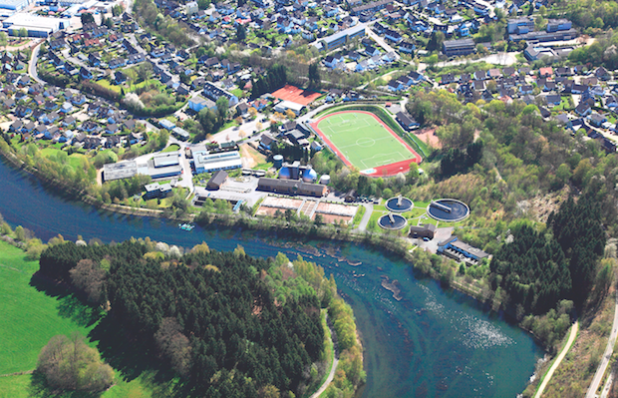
x=167, y=124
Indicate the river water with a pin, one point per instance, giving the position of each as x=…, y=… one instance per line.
x=430, y=343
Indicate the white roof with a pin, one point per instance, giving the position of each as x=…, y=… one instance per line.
x=35, y=22
x=290, y=105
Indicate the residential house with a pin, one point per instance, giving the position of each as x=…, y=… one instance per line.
x=198, y=103
x=119, y=77
x=597, y=120
x=117, y=63
x=66, y=107
x=84, y=73
x=583, y=109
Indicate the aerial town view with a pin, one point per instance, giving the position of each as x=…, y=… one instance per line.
x=308, y=199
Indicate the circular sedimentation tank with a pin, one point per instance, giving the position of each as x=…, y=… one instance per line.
x=399, y=204
x=392, y=222
x=448, y=210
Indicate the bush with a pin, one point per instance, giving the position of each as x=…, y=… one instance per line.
x=69, y=364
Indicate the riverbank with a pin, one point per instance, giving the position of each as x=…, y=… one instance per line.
x=386, y=242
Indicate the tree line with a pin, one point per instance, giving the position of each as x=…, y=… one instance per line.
x=275, y=78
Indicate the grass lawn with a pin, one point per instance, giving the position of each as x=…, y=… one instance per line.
x=19, y=387
x=237, y=92
x=363, y=140
x=75, y=160
x=30, y=317
x=105, y=83
x=172, y=148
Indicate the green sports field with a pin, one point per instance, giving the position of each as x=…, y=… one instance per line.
x=362, y=140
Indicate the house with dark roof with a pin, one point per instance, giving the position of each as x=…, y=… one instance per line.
x=583, y=109
x=406, y=121
x=84, y=73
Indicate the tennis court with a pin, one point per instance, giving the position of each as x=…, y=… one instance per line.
x=364, y=141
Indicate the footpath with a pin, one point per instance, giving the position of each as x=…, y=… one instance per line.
x=565, y=349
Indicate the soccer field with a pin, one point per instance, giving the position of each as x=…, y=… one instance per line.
x=364, y=141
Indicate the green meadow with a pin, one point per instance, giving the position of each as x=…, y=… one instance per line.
x=33, y=311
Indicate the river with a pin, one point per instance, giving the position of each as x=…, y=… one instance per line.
x=430, y=343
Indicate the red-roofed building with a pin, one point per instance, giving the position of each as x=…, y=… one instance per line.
x=546, y=72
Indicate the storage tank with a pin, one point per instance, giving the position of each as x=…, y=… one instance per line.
x=278, y=161
x=284, y=173
x=325, y=179
x=310, y=175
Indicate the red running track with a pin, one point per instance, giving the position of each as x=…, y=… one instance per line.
x=387, y=170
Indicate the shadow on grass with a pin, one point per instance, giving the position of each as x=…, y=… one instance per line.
x=70, y=304
x=40, y=389
x=130, y=355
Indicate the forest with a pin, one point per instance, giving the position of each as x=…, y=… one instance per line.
x=225, y=324
x=539, y=269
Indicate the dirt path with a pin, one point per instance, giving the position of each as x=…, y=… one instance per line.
x=550, y=373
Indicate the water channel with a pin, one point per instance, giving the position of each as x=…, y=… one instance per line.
x=422, y=342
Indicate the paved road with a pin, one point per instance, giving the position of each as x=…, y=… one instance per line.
x=32, y=64
x=331, y=375
x=368, y=210
x=380, y=40
x=608, y=384
x=609, y=350
x=553, y=368
x=234, y=133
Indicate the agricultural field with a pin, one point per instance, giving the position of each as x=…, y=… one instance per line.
x=362, y=140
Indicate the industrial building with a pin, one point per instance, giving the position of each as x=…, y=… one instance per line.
x=164, y=165
x=37, y=26
x=340, y=38
x=461, y=251
x=292, y=187
x=544, y=37
x=206, y=163
x=160, y=166
x=426, y=231
x=120, y=170
x=217, y=180
x=14, y=4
